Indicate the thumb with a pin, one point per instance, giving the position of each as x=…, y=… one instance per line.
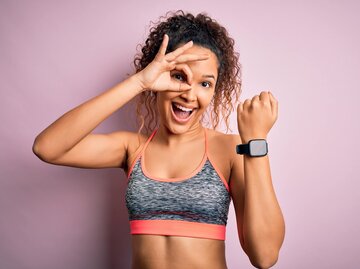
x=184, y=86
x=178, y=86
x=240, y=107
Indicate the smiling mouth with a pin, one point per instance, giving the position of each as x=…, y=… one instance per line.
x=181, y=113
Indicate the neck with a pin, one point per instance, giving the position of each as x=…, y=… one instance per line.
x=167, y=138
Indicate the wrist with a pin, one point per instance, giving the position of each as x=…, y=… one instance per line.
x=246, y=139
x=136, y=79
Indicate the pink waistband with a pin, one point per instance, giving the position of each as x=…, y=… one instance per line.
x=178, y=228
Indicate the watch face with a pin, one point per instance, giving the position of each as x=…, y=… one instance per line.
x=258, y=147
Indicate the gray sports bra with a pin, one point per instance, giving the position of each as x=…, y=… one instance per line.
x=194, y=206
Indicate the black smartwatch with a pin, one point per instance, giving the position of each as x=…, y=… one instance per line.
x=255, y=148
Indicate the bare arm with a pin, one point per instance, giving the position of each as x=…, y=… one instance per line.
x=263, y=226
x=259, y=218
x=73, y=128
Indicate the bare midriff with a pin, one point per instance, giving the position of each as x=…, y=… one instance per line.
x=176, y=252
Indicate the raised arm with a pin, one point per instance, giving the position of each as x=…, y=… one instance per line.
x=68, y=141
x=259, y=218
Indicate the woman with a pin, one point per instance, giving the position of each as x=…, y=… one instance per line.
x=181, y=175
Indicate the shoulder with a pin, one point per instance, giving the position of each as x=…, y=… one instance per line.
x=220, y=136
x=131, y=139
x=224, y=142
x=133, y=142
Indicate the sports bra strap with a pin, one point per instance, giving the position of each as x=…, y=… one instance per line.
x=148, y=141
x=206, y=142
x=154, y=132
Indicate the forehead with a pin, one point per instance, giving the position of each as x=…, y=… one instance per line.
x=209, y=65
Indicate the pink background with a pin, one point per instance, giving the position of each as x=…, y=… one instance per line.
x=55, y=55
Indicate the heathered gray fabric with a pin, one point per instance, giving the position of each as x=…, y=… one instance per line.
x=201, y=198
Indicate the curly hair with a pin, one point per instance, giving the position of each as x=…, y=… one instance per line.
x=203, y=31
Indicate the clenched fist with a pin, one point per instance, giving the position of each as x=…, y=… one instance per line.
x=256, y=116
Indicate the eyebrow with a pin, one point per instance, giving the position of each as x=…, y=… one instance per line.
x=209, y=76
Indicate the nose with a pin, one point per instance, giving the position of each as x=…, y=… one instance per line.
x=189, y=95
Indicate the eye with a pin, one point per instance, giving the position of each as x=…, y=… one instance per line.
x=179, y=76
x=206, y=84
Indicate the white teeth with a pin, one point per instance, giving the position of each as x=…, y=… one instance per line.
x=183, y=108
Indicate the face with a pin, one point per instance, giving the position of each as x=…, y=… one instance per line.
x=174, y=107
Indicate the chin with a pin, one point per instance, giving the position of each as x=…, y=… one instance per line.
x=177, y=128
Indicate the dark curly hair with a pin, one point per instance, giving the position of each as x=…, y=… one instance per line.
x=203, y=31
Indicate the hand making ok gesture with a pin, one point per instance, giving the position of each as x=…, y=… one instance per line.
x=156, y=75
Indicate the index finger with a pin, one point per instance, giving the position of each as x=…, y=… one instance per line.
x=191, y=57
x=274, y=103
x=264, y=96
x=172, y=55
x=164, y=44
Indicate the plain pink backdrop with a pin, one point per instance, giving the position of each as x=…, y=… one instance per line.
x=55, y=55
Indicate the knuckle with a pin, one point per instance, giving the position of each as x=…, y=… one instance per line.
x=255, y=104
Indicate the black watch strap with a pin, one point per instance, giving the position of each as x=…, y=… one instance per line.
x=243, y=149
